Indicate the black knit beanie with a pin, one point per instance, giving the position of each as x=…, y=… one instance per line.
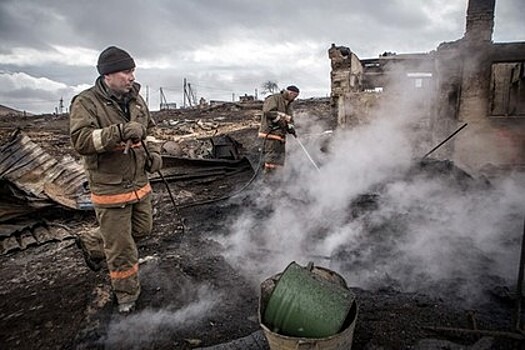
x=113, y=60
x=293, y=88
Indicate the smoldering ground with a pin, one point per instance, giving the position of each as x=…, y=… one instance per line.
x=381, y=217
x=142, y=329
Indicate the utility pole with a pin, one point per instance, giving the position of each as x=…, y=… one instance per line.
x=163, y=102
x=189, y=95
x=61, y=105
x=184, y=93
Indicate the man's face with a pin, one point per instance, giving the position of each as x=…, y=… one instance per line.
x=292, y=95
x=120, y=82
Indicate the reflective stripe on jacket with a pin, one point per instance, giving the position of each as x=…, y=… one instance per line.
x=272, y=136
x=96, y=122
x=121, y=198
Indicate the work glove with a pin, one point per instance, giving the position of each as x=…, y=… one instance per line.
x=291, y=130
x=154, y=163
x=133, y=131
x=282, y=120
x=282, y=125
x=286, y=117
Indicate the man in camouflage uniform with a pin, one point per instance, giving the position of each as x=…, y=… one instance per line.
x=276, y=122
x=109, y=128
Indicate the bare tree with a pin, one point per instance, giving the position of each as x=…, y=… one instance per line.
x=270, y=87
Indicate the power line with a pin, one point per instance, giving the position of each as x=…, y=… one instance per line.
x=213, y=88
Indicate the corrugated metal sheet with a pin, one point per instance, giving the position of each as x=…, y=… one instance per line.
x=23, y=236
x=41, y=177
x=30, y=180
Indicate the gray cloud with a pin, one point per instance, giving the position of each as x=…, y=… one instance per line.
x=230, y=44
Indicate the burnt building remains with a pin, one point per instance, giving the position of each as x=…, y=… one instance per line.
x=471, y=80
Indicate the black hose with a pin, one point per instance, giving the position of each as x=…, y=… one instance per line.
x=255, y=174
x=252, y=179
x=175, y=206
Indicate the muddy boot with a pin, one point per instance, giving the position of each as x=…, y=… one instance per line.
x=94, y=263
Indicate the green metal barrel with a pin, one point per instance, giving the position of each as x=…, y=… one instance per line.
x=304, y=304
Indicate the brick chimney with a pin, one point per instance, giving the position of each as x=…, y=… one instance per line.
x=480, y=20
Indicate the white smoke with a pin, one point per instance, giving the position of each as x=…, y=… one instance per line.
x=141, y=330
x=424, y=233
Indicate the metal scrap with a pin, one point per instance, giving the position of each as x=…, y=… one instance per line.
x=22, y=236
x=184, y=169
x=33, y=176
x=31, y=180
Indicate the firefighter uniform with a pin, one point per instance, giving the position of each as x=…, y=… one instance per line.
x=273, y=129
x=118, y=181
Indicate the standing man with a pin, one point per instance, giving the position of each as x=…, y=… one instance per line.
x=276, y=122
x=109, y=128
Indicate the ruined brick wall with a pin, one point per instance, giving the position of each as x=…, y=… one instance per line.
x=495, y=134
x=490, y=140
x=480, y=20
x=345, y=77
x=359, y=87
x=475, y=81
x=448, y=76
x=350, y=105
x=357, y=107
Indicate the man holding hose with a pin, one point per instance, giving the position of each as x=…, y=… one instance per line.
x=110, y=127
x=276, y=122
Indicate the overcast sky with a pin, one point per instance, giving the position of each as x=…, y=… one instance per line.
x=224, y=48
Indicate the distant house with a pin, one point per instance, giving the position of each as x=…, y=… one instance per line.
x=246, y=98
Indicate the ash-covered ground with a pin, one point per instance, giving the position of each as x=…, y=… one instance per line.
x=430, y=251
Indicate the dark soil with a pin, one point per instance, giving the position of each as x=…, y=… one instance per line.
x=191, y=296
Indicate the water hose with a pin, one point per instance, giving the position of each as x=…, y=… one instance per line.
x=307, y=154
x=175, y=206
x=252, y=179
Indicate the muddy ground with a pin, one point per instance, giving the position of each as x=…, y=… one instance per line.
x=192, y=297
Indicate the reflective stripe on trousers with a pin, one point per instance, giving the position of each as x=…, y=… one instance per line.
x=119, y=227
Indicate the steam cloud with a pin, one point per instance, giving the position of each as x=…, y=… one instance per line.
x=142, y=329
x=421, y=231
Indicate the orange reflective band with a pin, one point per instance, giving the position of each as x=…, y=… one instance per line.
x=271, y=136
x=119, y=275
x=272, y=166
x=122, y=146
x=122, y=197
